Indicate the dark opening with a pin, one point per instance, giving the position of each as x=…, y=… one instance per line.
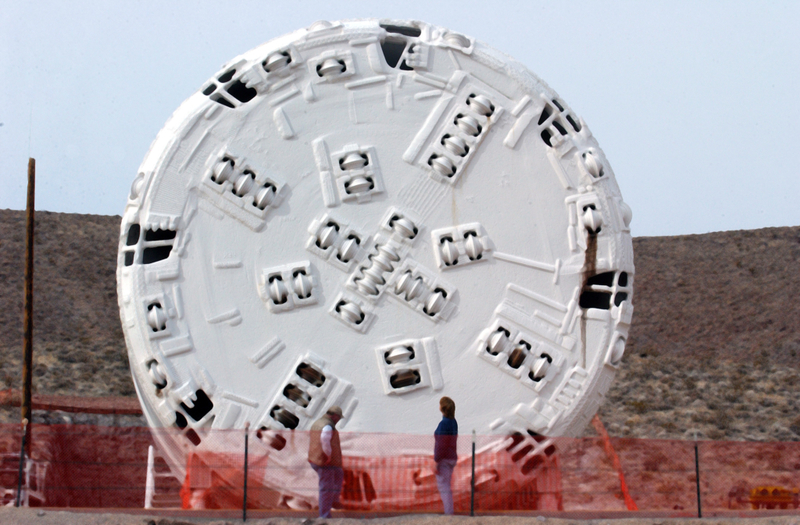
x=405, y=378
x=351, y=489
x=621, y=296
x=155, y=254
x=592, y=299
x=133, y=234
x=276, y=440
x=402, y=30
x=295, y=394
x=210, y=89
x=574, y=123
x=546, y=136
x=227, y=75
x=546, y=112
x=405, y=67
x=202, y=406
x=241, y=92
x=558, y=105
x=219, y=99
x=416, y=477
x=550, y=450
x=159, y=235
x=369, y=489
x=284, y=417
x=623, y=279
x=531, y=464
x=521, y=453
x=193, y=437
x=559, y=127
x=392, y=51
x=516, y=439
x=128, y=258
x=310, y=374
x=536, y=436
x=601, y=279
x=517, y=356
x=180, y=420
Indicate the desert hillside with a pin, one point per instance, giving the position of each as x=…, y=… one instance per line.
x=713, y=347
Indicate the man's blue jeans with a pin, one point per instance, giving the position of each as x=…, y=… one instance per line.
x=330, y=487
x=443, y=481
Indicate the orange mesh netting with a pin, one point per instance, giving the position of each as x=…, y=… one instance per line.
x=88, y=466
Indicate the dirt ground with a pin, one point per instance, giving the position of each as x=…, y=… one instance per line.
x=12, y=516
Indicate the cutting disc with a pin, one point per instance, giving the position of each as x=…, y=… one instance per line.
x=374, y=214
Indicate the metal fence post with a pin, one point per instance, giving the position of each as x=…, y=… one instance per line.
x=697, y=479
x=244, y=499
x=150, y=480
x=21, y=460
x=472, y=483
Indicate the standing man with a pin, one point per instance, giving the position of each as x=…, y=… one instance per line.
x=445, y=453
x=325, y=457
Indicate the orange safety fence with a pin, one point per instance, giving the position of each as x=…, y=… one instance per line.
x=84, y=466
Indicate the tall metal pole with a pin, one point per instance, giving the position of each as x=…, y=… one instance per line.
x=697, y=480
x=472, y=482
x=21, y=464
x=27, y=352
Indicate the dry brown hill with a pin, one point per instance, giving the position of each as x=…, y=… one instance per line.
x=713, y=347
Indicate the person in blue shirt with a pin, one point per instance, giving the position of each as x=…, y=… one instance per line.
x=444, y=451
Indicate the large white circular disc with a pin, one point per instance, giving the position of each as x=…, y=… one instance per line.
x=375, y=215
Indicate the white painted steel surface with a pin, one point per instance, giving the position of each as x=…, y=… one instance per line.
x=374, y=214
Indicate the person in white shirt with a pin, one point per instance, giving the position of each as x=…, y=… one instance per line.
x=325, y=457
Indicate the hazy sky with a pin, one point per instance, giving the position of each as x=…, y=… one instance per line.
x=696, y=104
